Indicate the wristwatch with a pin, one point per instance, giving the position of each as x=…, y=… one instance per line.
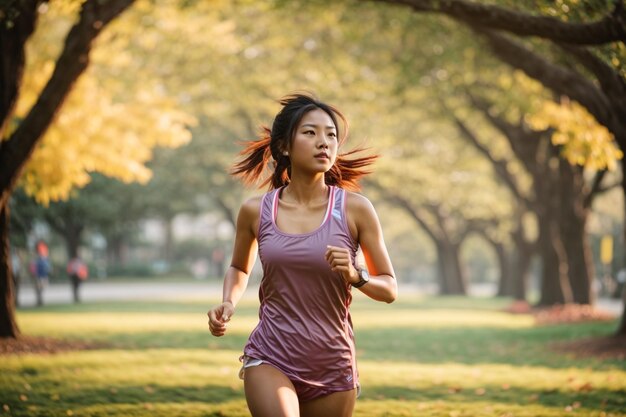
x=364, y=278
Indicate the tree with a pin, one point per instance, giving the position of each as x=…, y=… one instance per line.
x=448, y=190
x=20, y=144
x=514, y=263
x=603, y=99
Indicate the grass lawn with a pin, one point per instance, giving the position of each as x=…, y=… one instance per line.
x=449, y=357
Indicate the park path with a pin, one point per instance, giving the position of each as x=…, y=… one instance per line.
x=93, y=290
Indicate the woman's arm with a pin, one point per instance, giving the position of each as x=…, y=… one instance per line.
x=365, y=227
x=244, y=256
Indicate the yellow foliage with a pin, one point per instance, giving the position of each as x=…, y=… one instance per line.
x=95, y=130
x=115, y=139
x=585, y=142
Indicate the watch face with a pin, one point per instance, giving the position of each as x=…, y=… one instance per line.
x=365, y=276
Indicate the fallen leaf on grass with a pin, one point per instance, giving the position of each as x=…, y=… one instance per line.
x=23, y=397
x=570, y=313
x=46, y=345
x=519, y=307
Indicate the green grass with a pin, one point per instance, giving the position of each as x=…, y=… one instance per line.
x=449, y=357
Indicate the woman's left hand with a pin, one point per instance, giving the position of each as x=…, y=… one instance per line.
x=340, y=261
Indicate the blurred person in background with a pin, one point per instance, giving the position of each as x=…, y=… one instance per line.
x=40, y=269
x=78, y=272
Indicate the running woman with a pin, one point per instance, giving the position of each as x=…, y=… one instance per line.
x=300, y=359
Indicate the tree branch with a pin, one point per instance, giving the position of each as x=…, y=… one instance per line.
x=405, y=205
x=500, y=166
x=14, y=32
x=561, y=80
x=524, y=143
x=595, y=188
x=611, y=82
x=74, y=59
x=611, y=28
x=609, y=187
x=225, y=209
x=482, y=227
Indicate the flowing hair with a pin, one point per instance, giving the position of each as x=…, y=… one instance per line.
x=345, y=172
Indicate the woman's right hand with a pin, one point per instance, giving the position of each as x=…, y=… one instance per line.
x=219, y=316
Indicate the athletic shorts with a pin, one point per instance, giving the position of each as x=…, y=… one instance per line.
x=304, y=391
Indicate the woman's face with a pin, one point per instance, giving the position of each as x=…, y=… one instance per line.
x=314, y=145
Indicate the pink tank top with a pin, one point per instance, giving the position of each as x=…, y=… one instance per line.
x=304, y=328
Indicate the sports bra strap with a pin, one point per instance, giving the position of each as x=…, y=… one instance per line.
x=339, y=203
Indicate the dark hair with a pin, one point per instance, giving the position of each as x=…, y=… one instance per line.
x=256, y=154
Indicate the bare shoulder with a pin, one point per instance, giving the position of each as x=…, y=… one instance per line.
x=359, y=205
x=249, y=214
x=361, y=215
x=251, y=206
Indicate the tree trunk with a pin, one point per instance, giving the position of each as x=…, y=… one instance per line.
x=555, y=287
x=505, y=280
x=67, y=220
x=580, y=265
x=8, y=324
x=15, y=152
x=521, y=263
x=621, y=330
x=572, y=228
x=73, y=237
x=519, y=273
x=116, y=250
x=506, y=284
x=168, y=247
x=452, y=279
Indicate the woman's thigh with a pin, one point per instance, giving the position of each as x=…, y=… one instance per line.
x=269, y=393
x=337, y=404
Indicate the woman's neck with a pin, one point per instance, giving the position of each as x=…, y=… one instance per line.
x=306, y=192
